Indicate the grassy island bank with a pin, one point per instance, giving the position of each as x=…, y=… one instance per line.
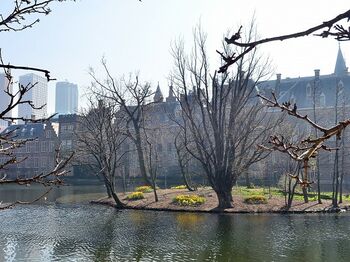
x=255, y=200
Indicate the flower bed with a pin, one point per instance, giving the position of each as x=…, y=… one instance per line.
x=257, y=199
x=144, y=189
x=135, y=196
x=179, y=187
x=189, y=200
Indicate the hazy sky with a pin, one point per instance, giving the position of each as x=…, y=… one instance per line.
x=136, y=36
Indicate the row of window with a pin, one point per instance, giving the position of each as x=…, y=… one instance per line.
x=36, y=147
x=33, y=162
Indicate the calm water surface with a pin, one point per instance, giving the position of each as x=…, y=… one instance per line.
x=81, y=232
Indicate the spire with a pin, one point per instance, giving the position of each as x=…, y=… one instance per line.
x=158, y=96
x=340, y=66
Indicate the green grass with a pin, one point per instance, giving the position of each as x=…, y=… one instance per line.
x=276, y=192
x=245, y=192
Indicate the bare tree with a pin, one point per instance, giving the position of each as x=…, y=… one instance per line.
x=221, y=115
x=152, y=159
x=302, y=151
x=131, y=97
x=100, y=140
x=184, y=159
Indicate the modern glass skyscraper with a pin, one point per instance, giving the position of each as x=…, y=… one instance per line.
x=66, y=98
x=5, y=86
x=37, y=94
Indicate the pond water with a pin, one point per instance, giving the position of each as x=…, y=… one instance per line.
x=83, y=232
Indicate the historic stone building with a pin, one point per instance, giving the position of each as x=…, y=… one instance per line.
x=161, y=130
x=37, y=155
x=325, y=99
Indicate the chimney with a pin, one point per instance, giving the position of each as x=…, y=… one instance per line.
x=317, y=74
x=278, y=83
x=278, y=78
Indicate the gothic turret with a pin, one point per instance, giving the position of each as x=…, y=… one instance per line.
x=171, y=97
x=158, y=96
x=340, y=66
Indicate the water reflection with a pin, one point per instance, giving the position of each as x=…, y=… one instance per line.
x=94, y=233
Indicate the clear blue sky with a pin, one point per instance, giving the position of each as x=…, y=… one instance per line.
x=135, y=36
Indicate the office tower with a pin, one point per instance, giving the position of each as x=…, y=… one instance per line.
x=5, y=86
x=66, y=98
x=37, y=94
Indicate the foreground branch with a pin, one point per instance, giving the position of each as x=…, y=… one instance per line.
x=340, y=33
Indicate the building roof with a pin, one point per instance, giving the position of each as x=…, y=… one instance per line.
x=302, y=90
x=26, y=131
x=158, y=95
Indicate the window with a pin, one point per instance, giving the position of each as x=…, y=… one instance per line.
x=42, y=146
x=43, y=161
x=64, y=129
x=35, y=162
x=308, y=89
x=159, y=148
x=28, y=144
x=69, y=144
x=37, y=146
x=170, y=147
x=322, y=100
x=28, y=163
x=52, y=146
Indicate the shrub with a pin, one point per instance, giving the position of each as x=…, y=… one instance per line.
x=135, y=196
x=144, y=189
x=257, y=199
x=179, y=187
x=188, y=200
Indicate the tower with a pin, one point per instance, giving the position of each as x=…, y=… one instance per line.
x=158, y=95
x=171, y=97
x=5, y=86
x=66, y=98
x=340, y=68
x=37, y=94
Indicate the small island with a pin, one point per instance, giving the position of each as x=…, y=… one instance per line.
x=245, y=200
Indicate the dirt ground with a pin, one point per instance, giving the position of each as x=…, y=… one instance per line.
x=166, y=196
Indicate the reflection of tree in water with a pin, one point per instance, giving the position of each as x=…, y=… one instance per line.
x=93, y=238
x=103, y=247
x=148, y=234
x=232, y=238
x=318, y=237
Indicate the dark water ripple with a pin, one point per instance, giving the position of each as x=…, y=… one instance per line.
x=94, y=233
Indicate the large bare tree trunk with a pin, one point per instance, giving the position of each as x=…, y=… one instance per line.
x=224, y=198
x=142, y=163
